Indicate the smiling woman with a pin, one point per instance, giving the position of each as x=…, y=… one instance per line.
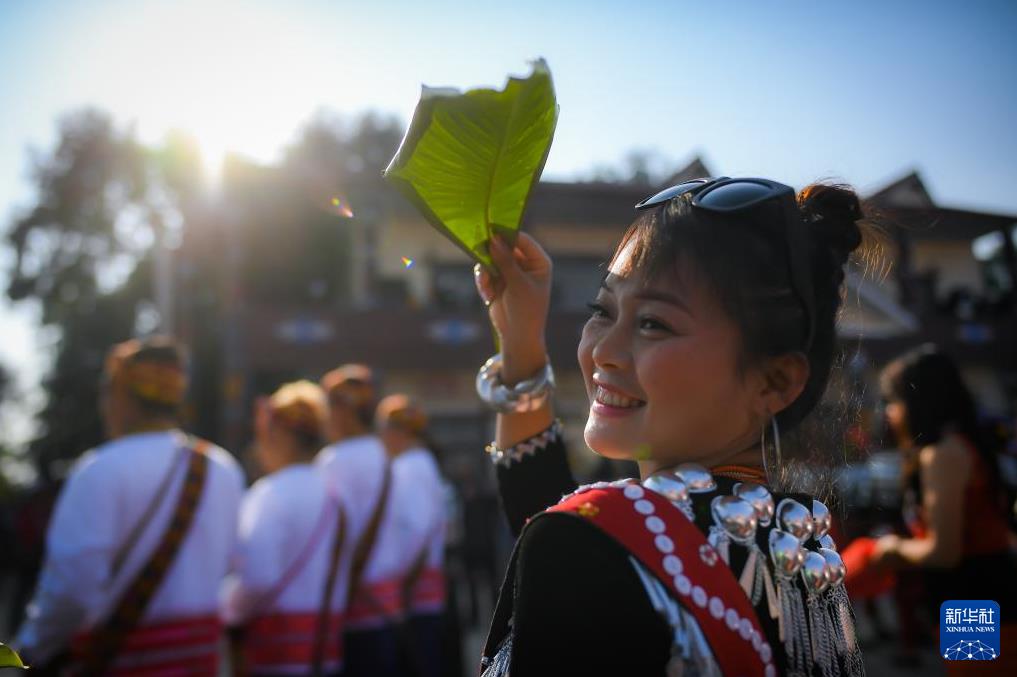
x=714, y=324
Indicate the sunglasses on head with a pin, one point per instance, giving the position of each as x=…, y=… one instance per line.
x=725, y=195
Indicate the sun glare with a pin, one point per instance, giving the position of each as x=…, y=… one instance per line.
x=234, y=76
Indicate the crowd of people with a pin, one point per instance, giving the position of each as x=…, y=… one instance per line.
x=330, y=563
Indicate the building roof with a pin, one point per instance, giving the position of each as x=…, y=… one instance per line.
x=942, y=224
x=695, y=169
x=587, y=204
x=908, y=191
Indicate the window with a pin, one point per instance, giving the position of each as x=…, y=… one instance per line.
x=454, y=288
x=576, y=280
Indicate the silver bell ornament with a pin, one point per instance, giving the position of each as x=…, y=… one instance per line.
x=672, y=488
x=788, y=558
x=821, y=519
x=795, y=518
x=760, y=498
x=828, y=543
x=697, y=478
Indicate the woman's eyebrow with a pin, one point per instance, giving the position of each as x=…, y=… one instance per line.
x=664, y=297
x=654, y=295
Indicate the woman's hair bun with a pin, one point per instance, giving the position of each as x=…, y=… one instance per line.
x=834, y=212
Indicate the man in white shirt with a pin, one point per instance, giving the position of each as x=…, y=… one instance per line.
x=415, y=540
x=290, y=549
x=114, y=513
x=357, y=471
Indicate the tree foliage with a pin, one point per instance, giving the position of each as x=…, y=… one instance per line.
x=82, y=252
x=85, y=248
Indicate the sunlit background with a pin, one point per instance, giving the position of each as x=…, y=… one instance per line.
x=863, y=91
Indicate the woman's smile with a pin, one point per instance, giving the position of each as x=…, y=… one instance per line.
x=610, y=403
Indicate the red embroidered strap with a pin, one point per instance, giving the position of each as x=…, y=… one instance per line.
x=107, y=639
x=743, y=473
x=677, y=553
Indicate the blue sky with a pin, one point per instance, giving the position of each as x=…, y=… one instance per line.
x=862, y=91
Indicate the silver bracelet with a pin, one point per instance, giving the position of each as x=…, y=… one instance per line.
x=528, y=395
x=516, y=453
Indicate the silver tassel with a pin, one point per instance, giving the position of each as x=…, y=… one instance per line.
x=821, y=634
x=816, y=575
x=839, y=618
x=843, y=620
x=721, y=542
x=772, y=602
x=788, y=558
x=754, y=577
x=794, y=627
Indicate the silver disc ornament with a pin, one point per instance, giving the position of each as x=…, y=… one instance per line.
x=795, y=518
x=671, y=487
x=760, y=498
x=821, y=519
x=697, y=478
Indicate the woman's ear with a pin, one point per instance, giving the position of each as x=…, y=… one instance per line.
x=784, y=379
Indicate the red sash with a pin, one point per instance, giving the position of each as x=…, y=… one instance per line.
x=107, y=639
x=429, y=593
x=289, y=641
x=183, y=646
x=382, y=602
x=677, y=553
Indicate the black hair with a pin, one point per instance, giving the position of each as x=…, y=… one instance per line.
x=742, y=259
x=936, y=401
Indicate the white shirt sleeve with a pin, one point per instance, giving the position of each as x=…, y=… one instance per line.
x=80, y=543
x=440, y=520
x=258, y=564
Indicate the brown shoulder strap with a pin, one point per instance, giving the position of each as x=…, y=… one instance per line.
x=362, y=553
x=107, y=639
x=146, y=517
x=413, y=575
x=323, y=626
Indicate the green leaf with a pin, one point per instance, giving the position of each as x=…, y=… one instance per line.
x=9, y=658
x=469, y=160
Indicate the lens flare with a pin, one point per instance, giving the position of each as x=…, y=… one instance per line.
x=407, y=262
x=342, y=208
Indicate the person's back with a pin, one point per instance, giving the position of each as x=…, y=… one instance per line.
x=288, y=553
x=419, y=498
x=286, y=534
x=420, y=502
x=407, y=572
x=107, y=494
x=356, y=469
x=141, y=535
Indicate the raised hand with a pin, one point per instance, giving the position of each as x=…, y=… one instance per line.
x=517, y=297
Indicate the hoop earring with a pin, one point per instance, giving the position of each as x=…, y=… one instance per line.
x=776, y=446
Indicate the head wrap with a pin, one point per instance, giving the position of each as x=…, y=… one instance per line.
x=150, y=370
x=400, y=412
